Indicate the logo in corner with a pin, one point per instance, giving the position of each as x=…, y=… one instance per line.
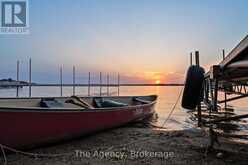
x=14, y=17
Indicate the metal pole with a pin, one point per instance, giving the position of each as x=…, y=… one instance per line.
x=191, y=58
x=108, y=84
x=118, y=79
x=61, y=82
x=17, y=78
x=89, y=85
x=73, y=89
x=100, y=83
x=30, y=77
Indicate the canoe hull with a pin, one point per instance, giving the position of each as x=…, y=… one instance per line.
x=22, y=129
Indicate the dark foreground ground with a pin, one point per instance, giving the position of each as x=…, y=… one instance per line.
x=137, y=145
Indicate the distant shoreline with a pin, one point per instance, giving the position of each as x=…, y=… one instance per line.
x=92, y=85
x=10, y=83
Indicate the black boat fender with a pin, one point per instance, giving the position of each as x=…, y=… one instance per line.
x=193, y=87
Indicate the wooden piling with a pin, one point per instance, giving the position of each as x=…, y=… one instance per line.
x=197, y=62
x=225, y=104
x=223, y=54
x=191, y=59
x=197, y=59
x=215, y=95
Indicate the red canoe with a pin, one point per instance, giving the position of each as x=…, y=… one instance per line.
x=28, y=122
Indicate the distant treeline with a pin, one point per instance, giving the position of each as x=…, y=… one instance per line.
x=11, y=80
x=10, y=83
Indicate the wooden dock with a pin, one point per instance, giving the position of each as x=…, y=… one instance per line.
x=229, y=76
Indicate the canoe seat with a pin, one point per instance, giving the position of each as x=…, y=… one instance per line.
x=99, y=102
x=50, y=103
x=140, y=100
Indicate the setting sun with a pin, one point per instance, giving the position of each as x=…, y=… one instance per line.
x=157, y=82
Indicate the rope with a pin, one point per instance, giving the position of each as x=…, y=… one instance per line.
x=4, y=155
x=173, y=108
x=30, y=153
x=36, y=155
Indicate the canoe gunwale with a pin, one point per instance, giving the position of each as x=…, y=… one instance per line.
x=75, y=110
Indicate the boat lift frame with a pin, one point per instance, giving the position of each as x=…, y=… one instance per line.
x=230, y=76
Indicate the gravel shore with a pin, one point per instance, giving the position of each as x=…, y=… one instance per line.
x=138, y=145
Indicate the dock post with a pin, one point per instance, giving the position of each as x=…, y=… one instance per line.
x=89, y=84
x=207, y=90
x=197, y=59
x=118, y=79
x=225, y=101
x=223, y=54
x=100, y=83
x=61, y=82
x=199, y=113
x=191, y=58
x=17, y=78
x=30, y=77
x=107, y=84
x=215, y=95
x=73, y=89
x=197, y=62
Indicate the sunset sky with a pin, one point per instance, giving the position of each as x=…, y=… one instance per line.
x=144, y=40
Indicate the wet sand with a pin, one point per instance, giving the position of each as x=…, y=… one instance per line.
x=138, y=145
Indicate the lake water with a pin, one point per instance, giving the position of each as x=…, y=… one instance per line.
x=167, y=96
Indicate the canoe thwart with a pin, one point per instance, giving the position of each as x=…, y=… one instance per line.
x=83, y=103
